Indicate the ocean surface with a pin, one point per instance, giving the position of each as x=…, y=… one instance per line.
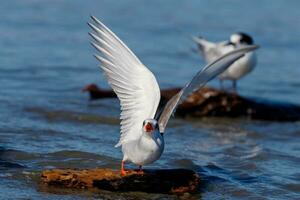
x=47, y=122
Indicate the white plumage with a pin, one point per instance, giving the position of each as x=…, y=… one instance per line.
x=137, y=89
x=210, y=51
x=135, y=85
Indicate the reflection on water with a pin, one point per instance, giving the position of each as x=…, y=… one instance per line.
x=46, y=122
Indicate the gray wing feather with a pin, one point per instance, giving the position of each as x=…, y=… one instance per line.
x=209, y=72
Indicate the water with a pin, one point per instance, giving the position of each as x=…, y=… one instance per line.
x=46, y=122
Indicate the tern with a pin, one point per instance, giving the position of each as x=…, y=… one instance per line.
x=142, y=124
x=211, y=51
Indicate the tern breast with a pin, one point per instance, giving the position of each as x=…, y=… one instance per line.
x=145, y=150
x=240, y=68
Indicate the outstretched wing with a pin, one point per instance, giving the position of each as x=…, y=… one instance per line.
x=211, y=51
x=208, y=50
x=135, y=86
x=202, y=77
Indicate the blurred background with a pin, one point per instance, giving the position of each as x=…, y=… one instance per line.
x=46, y=122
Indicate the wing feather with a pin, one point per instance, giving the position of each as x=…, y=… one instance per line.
x=135, y=86
x=211, y=51
x=202, y=77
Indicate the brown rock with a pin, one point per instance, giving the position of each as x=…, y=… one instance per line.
x=167, y=181
x=208, y=102
x=98, y=93
x=211, y=102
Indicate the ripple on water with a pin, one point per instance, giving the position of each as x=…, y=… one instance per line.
x=46, y=122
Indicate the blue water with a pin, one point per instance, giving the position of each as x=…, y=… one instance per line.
x=46, y=122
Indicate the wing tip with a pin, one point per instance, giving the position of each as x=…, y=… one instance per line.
x=95, y=37
x=198, y=39
x=118, y=145
x=99, y=25
x=92, y=26
x=97, y=21
x=243, y=50
x=93, y=17
x=255, y=46
x=95, y=46
x=97, y=57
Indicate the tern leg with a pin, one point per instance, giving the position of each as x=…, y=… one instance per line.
x=234, y=86
x=123, y=171
x=140, y=171
x=221, y=84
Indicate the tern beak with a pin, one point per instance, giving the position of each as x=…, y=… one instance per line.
x=148, y=128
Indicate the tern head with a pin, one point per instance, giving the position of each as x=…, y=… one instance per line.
x=240, y=38
x=149, y=125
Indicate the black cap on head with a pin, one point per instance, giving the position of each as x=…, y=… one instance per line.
x=241, y=37
x=246, y=38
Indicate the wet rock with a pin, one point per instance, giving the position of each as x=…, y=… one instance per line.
x=208, y=102
x=212, y=102
x=167, y=181
x=96, y=92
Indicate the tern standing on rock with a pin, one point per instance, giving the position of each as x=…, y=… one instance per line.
x=211, y=51
x=142, y=125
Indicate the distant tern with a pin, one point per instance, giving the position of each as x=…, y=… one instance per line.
x=210, y=51
x=142, y=124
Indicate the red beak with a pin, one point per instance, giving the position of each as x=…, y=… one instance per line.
x=149, y=127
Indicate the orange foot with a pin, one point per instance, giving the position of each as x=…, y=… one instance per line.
x=123, y=171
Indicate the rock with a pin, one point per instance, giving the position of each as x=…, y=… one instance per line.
x=208, y=102
x=98, y=93
x=166, y=181
x=211, y=102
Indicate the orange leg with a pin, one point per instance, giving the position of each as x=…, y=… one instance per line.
x=123, y=172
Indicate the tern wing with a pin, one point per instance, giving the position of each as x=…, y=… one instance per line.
x=207, y=49
x=202, y=77
x=134, y=84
